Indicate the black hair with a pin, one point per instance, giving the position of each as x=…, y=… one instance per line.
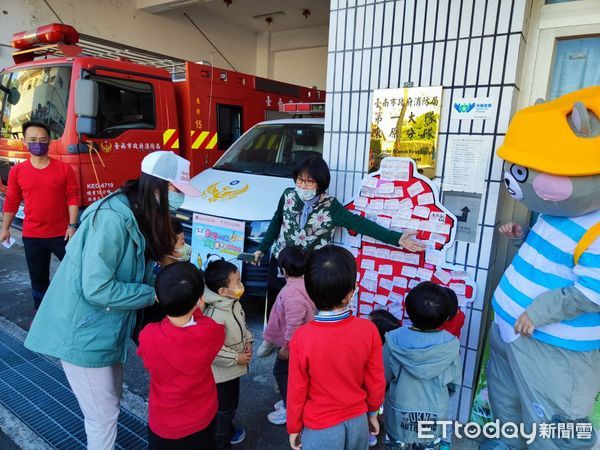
x=292, y=259
x=178, y=288
x=216, y=275
x=427, y=305
x=315, y=167
x=384, y=321
x=452, y=303
x=152, y=216
x=176, y=226
x=31, y=123
x=330, y=276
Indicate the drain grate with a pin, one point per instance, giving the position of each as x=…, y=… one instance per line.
x=36, y=390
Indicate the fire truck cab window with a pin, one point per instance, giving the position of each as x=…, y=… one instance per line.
x=229, y=125
x=123, y=105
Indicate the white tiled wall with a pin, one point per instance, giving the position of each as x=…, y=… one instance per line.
x=472, y=48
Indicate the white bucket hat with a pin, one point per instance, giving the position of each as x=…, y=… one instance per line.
x=170, y=167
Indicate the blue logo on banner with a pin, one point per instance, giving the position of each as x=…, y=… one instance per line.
x=464, y=107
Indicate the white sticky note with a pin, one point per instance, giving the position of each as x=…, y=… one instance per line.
x=413, y=224
x=375, y=205
x=405, y=214
x=365, y=309
x=361, y=202
x=392, y=204
x=371, y=275
x=9, y=243
x=421, y=211
x=385, y=222
x=415, y=189
x=435, y=257
x=459, y=288
x=370, y=182
x=396, y=256
x=352, y=241
x=443, y=276
x=425, y=199
x=437, y=238
x=399, y=222
x=396, y=310
x=437, y=216
x=369, y=250
x=386, y=188
x=386, y=284
x=401, y=282
x=381, y=299
x=409, y=271
x=369, y=285
x=367, y=264
x=367, y=192
x=424, y=274
x=412, y=258
x=406, y=203
x=383, y=253
x=442, y=228
x=386, y=269
x=396, y=298
x=412, y=283
x=425, y=225
x=366, y=297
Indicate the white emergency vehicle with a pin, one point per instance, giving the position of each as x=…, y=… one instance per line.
x=246, y=183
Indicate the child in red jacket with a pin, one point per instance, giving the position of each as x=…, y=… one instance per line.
x=178, y=353
x=336, y=380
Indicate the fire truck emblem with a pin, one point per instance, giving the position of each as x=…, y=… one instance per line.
x=213, y=194
x=106, y=147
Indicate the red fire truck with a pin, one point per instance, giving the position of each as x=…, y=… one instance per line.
x=105, y=113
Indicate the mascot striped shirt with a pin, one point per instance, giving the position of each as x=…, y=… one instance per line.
x=545, y=262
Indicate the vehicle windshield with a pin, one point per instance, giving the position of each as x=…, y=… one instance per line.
x=273, y=149
x=43, y=93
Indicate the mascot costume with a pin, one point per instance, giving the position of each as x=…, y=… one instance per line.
x=544, y=364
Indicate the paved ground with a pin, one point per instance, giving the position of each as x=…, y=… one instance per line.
x=258, y=388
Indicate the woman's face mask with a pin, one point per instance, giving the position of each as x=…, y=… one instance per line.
x=306, y=194
x=175, y=200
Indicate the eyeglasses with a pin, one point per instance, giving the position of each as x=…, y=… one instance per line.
x=308, y=182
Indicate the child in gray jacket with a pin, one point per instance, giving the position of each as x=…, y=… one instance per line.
x=422, y=365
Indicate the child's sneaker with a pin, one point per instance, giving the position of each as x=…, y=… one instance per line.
x=279, y=405
x=265, y=349
x=238, y=436
x=278, y=417
x=372, y=440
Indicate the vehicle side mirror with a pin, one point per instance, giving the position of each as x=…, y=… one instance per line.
x=86, y=98
x=86, y=125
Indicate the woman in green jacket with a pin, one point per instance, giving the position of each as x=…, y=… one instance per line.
x=307, y=216
x=89, y=311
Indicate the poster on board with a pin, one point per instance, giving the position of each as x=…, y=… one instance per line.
x=405, y=123
x=399, y=198
x=216, y=238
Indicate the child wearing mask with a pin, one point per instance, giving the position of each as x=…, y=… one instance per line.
x=223, y=291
